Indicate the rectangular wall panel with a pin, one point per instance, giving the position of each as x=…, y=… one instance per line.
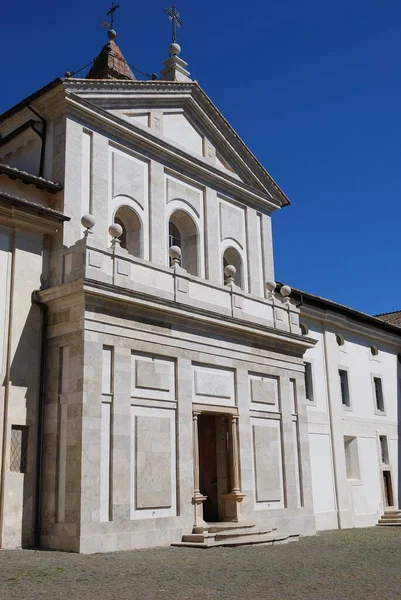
x=107, y=370
x=267, y=461
x=152, y=377
x=105, y=462
x=86, y=193
x=298, y=474
x=213, y=386
x=62, y=462
x=153, y=463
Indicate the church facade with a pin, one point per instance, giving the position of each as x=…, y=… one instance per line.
x=167, y=399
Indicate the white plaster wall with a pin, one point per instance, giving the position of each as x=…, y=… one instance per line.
x=315, y=356
x=324, y=502
x=367, y=501
x=360, y=502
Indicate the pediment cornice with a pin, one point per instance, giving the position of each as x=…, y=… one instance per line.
x=176, y=158
x=113, y=95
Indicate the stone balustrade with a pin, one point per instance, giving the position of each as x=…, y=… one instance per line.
x=118, y=268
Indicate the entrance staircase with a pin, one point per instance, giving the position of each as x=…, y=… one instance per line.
x=233, y=534
x=391, y=517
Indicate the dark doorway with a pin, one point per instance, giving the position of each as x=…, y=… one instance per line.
x=208, y=466
x=388, y=489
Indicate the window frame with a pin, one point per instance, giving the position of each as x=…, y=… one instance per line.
x=343, y=369
x=378, y=412
x=311, y=402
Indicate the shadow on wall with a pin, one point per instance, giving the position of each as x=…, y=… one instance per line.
x=21, y=470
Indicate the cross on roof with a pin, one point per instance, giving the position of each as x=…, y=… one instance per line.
x=111, y=12
x=174, y=17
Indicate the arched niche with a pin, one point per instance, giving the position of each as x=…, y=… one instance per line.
x=183, y=232
x=232, y=257
x=131, y=238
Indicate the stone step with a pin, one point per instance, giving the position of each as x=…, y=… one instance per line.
x=246, y=540
x=390, y=517
x=235, y=533
x=217, y=527
x=388, y=524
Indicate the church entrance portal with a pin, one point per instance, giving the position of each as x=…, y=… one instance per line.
x=213, y=465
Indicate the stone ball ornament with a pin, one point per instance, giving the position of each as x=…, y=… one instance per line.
x=174, y=252
x=174, y=49
x=230, y=271
x=88, y=221
x=270, y=286
x=285, y=291
x=115, y=230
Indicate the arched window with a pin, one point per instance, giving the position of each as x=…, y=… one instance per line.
x=184, y=234
x=131, y=238
x=232, y=257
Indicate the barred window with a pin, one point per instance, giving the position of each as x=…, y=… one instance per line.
x=19, y=448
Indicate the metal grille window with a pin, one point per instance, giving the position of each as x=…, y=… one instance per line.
x=344, y=388
x=19, y=448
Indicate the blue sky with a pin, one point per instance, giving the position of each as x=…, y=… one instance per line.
x=314, y=90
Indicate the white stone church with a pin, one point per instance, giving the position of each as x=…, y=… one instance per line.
x=157, y=386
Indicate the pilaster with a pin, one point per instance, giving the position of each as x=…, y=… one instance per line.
x=212, y=242
x=158, y=227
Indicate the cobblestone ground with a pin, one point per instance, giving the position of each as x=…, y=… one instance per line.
x=355, y=564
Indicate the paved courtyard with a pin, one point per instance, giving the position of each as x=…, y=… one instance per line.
x=355, y=564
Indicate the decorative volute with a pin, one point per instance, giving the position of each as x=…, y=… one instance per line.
x=110, y=64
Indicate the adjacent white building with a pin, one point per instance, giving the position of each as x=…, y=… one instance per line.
x=352, y=386
x=160, y=394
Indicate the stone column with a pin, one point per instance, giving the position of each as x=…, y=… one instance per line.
x=235, y=497
x=198, y=498
x=235, y=485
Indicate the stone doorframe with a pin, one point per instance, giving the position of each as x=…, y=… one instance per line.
x=234, y=498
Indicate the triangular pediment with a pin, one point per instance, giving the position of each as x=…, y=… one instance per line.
x=184, y=117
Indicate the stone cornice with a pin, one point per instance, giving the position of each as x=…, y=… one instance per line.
x=160, y=306
x=372, y=332
x=168, y=153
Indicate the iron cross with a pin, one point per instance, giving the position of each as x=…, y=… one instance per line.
x=111, y=13
x=174, y=17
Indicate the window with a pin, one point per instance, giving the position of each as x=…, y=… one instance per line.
x=378, y=391
x=232, y=257
x=384, y=450
x=351, y=457
x=182, y=232
x=340, y=340
x=19, y=448
x=308, y=382
x=374, y=350
x=174, y=238
x=344, y=385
